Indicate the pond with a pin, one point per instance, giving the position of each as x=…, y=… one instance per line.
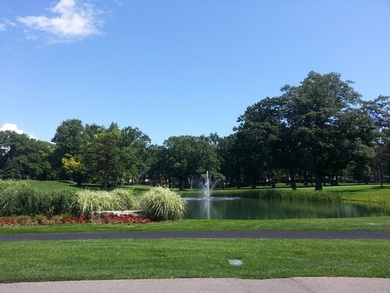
x=248, y=208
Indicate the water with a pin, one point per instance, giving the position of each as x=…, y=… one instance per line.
x=209, y=185
x=245, y=208
x=226, y=207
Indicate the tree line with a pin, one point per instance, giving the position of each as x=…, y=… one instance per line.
x=316, y=133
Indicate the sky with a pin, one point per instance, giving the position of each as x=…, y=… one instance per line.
x=177, y=67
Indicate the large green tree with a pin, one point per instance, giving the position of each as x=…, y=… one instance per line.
x=70, y=140
x=318, y=127
x=188, y=157
x=102, y=156
x=229, y=155
x=325, y=114
x=134, y=152
x=24, y=157
x=258, y=137
x=379, y=111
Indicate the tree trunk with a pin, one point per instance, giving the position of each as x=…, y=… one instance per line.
x=292, y=181
x=381, y=178
x=79, y=181
x=305, y=183
x=253, y=184
x=318, y=185
x=105, y=182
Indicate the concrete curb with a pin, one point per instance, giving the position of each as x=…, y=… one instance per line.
x=290, y=285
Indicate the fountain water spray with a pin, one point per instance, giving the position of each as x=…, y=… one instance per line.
x=209, y=186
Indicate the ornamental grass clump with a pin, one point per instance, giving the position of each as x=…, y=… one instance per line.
x=161, y=204
x=59, y=202
x=127, y=197
x=17, y=198
x=88, y=201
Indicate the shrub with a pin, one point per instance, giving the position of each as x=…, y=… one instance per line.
x=264, y=194
x=59, y=202
x=299, y=195
x=129, y=200
x=315, y=196
x=18, y=198
x=160, y=204
x=88, y=201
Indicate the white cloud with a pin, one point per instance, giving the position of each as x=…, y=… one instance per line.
x=4, y=23
x=14, y=127
x=72, y=21
x=11, y=127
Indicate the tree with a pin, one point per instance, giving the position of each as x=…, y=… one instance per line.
x=229, y=154
x=102, y=156
x=187, y=157
x=135, y=157
x=158, y=170
x=382, y=161
x=24, y=157
x=324, y=114
x=379, y=111
x=74, y=166
x=70, y=139
x=258, y=137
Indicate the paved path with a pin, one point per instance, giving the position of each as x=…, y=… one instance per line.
x=318, y=234
x=290, y=285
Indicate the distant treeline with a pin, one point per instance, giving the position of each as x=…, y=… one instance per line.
x=319, y=131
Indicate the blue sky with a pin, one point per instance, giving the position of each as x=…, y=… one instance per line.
x=177, y=67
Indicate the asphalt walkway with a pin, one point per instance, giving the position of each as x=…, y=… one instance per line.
x=257, y=234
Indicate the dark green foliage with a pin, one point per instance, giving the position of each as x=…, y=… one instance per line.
x=59, y=202
x=102, y=156
x=318, y=127
x=18, y=198
x=134, y=153
x=183, y=158
x=22, y=157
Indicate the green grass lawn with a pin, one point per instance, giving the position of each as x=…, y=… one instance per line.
x=371, y=193
x=51, y=185
x=365, y=223
x=364, y=193
x=69, y=185
x=191, y=258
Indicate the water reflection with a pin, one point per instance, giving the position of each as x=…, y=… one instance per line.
x=244, y=208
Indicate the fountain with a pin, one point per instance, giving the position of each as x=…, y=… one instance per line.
x=205, y=201
x=208, y=186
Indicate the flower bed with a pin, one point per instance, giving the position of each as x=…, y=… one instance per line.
x=125, y=219
x=60, y=220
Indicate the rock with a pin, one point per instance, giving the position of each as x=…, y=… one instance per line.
x=100, y=215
